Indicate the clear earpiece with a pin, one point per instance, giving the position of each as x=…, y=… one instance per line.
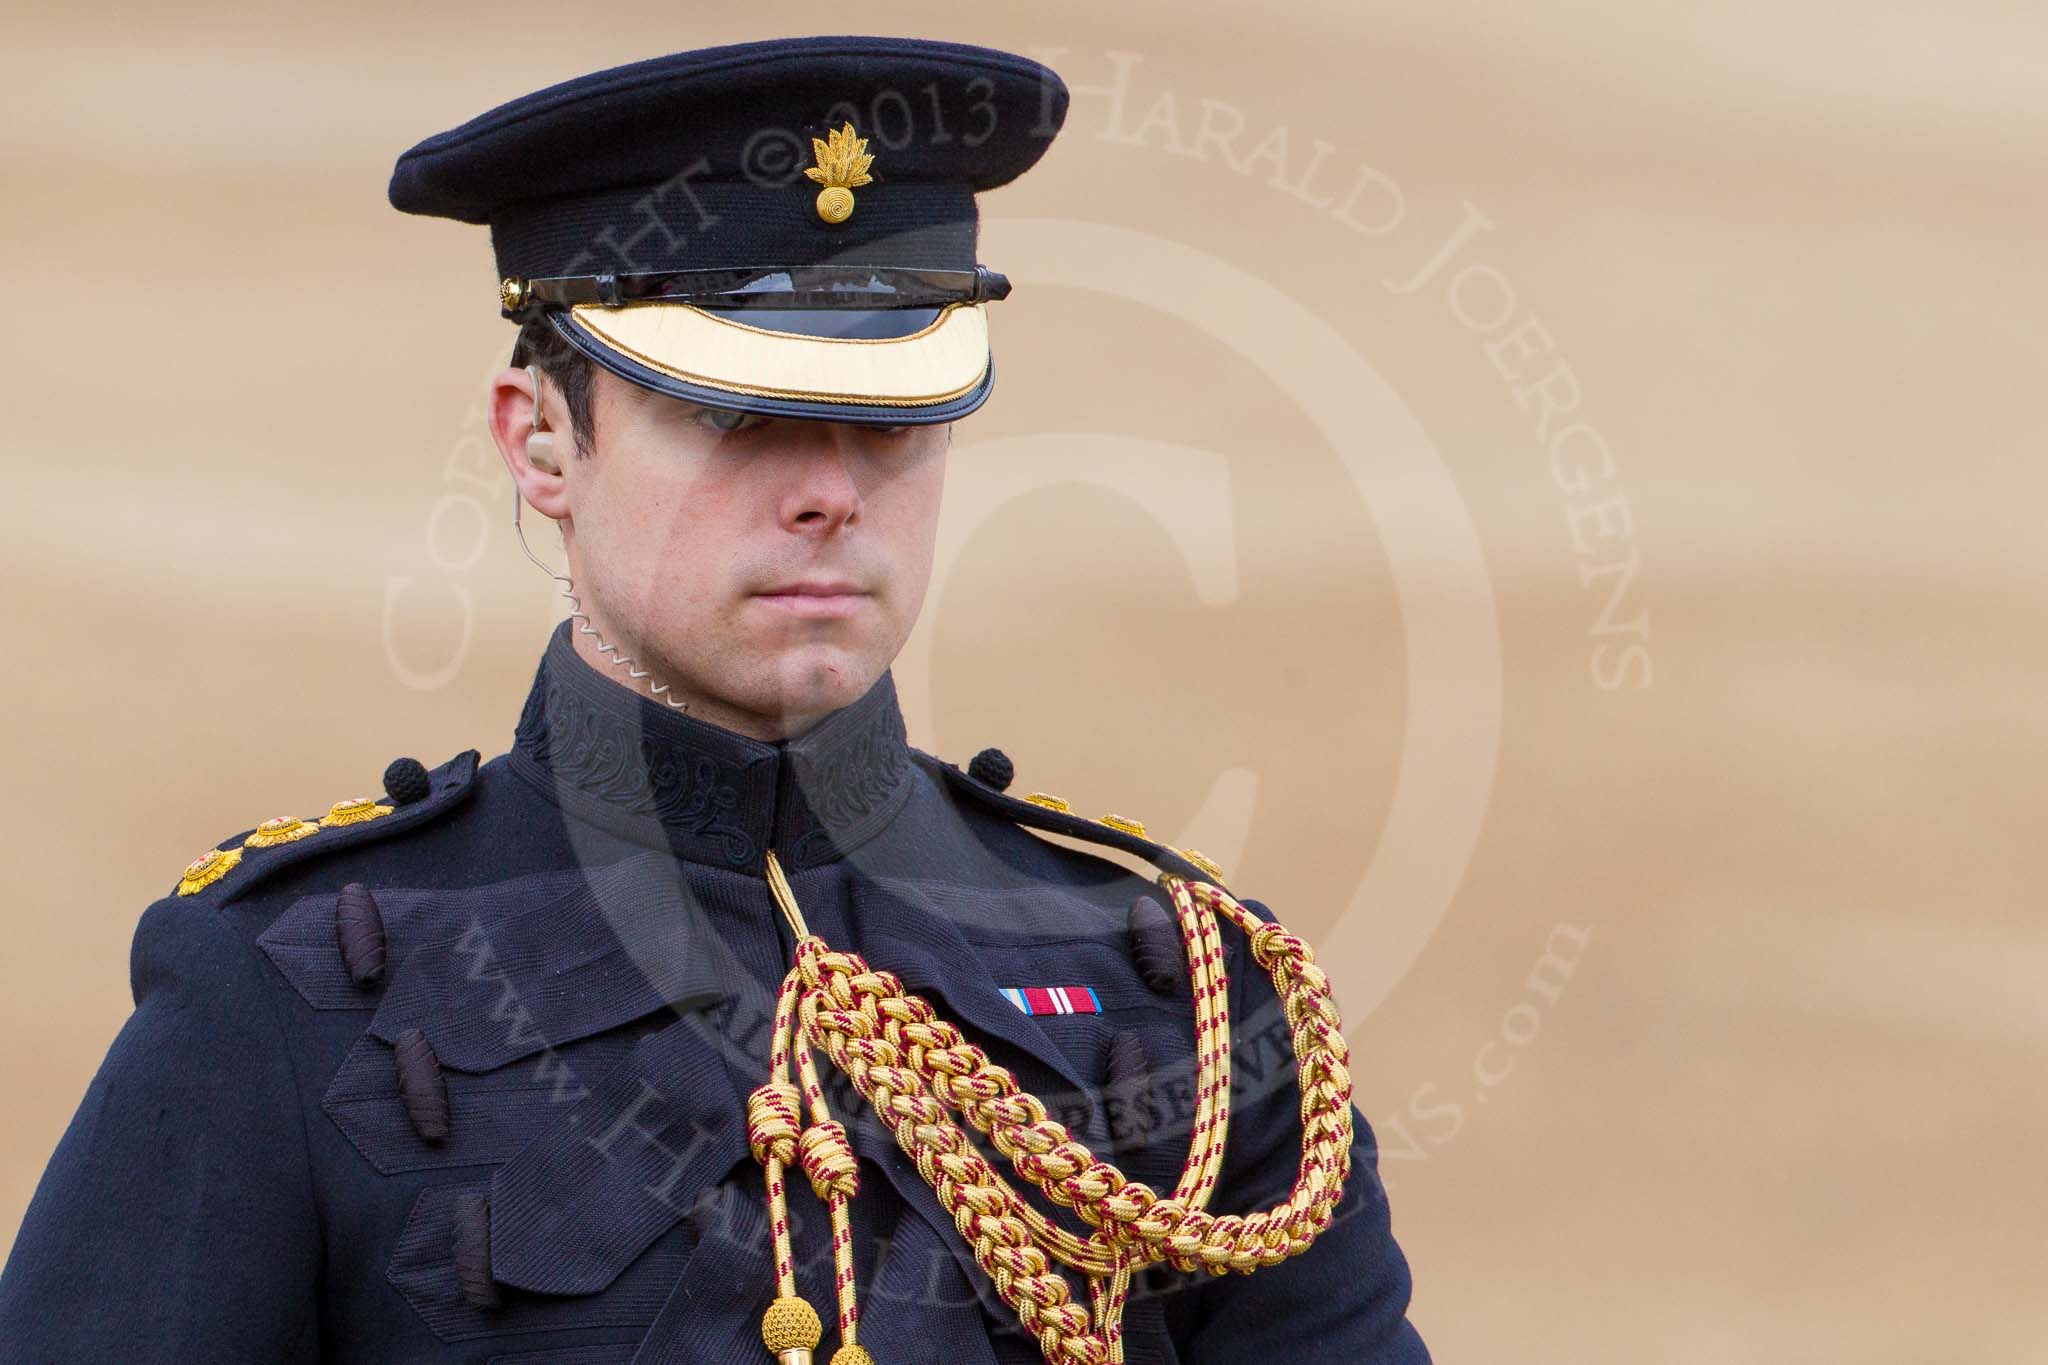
x=540, y=443
x=540, y=452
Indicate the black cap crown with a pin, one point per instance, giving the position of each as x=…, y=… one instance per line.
x=817, y=193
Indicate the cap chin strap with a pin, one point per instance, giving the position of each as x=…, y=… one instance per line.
x=817, y=285
x=914, y=1068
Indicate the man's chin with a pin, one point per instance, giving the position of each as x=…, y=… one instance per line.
x=813, y=679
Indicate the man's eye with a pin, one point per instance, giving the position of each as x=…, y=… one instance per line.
x=884, y=431
x=729, y=419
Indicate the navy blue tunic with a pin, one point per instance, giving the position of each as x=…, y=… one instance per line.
x=467, y=1081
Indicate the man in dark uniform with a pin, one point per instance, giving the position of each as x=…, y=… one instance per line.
x=480, y=1069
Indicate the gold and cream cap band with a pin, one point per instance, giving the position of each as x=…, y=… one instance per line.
x=937, y=364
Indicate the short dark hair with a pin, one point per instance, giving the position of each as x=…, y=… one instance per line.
x=539, y=344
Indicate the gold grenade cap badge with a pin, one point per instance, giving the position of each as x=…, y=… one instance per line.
x=843, y=161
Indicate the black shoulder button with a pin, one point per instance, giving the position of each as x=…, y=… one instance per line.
x=993, y=767
x=1040, y=811
x=243, y=862
x=406, y=781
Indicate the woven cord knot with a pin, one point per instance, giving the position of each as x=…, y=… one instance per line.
x=828, y=1160
x=1271, y=943
x=773, y=1122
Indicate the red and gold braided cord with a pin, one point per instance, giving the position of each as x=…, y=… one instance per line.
x=917, y=1070
x=776, y=1136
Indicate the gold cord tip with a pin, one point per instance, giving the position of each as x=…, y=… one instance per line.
x=791, y=1324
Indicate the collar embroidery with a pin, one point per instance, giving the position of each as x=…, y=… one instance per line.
x=611, y=756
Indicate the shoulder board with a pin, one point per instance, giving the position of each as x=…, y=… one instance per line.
x=986, y=777
x=414, y=794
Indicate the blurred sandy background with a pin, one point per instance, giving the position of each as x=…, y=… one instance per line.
x=1745, y=732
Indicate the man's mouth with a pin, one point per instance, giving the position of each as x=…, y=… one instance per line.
x=816, y=599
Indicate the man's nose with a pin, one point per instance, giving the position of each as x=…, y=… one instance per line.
x=822, y=494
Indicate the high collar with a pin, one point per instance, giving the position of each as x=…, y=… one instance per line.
x=618, y=759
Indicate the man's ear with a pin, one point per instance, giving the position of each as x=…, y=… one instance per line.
x=510, y=410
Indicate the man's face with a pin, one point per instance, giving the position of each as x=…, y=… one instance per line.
x=769, y=572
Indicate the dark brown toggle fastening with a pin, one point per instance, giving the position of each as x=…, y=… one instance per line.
x=1128, y=1094
x=421, y=1085
x=359, y=929
x=1156, y=947
x=473, y=1250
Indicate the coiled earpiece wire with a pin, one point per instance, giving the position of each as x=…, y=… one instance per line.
x=655, y=689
